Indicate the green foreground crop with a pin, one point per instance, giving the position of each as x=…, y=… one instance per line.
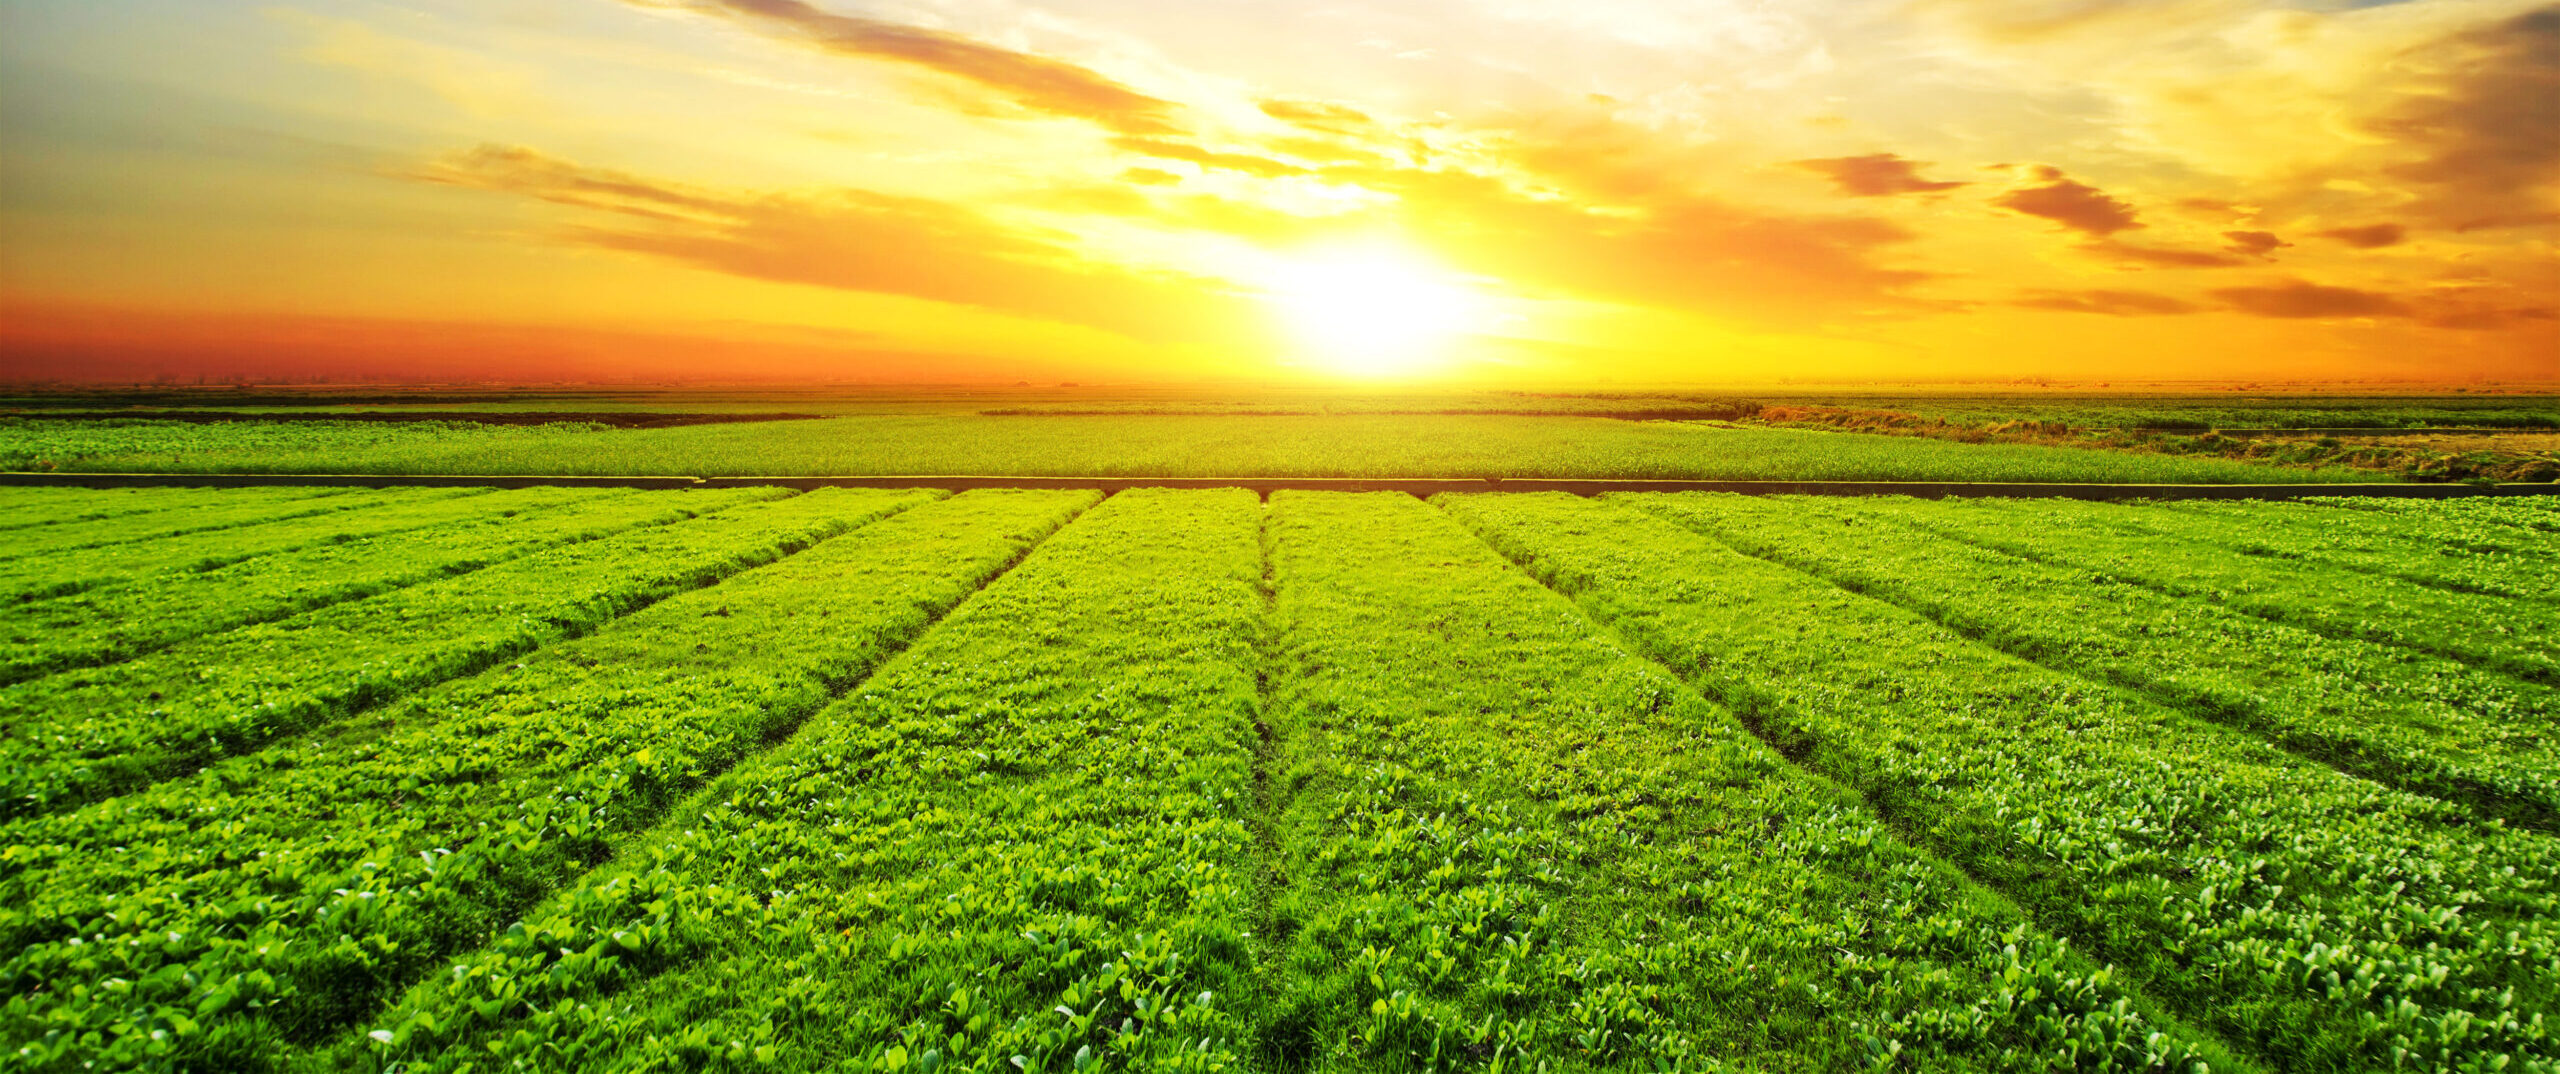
x=850, y=780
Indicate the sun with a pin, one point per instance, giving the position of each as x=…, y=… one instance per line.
x=1371, y=309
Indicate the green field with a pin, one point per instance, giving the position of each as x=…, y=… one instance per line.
x=1786, y=433
x=569, y=779
x=1149, y=445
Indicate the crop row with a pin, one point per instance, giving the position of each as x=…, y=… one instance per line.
x=220, y=920
x=2445, y=550
x=2516, y=637
x=363, y=514
x=82, y=734
x=63, y=526
x=40, y=508
x=114, y=622
x=1506, y=835
x=2320, y=920
x=1041, y=840
x=2538, y=514
x=1028, y=835
x=23, y=507
x=2418, y=721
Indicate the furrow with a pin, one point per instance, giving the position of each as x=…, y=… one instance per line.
x=1271, y=799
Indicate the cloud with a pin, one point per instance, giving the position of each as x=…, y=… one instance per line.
x=859, y=240
x=1317, y=115
x=1875, y=175
x=2111, y=303
x=2072, y=204
x=2490, y=128
x=2368, y=236
x=2297, y=299
x=2463, y=318
x=2254, y=243
x=1035, y=82
x=523, y=171
x=2161, y=256
x=1247, y=163
x=1149, y=176
x=1610, y=240
x=1671, y=250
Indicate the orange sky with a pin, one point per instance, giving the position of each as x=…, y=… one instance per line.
x=1470, y=190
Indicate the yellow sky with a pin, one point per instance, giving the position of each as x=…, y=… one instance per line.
x=1492, y=190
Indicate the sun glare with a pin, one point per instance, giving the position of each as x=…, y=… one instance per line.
x=1372, y=310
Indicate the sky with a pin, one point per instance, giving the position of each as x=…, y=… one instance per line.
x=1498, y=191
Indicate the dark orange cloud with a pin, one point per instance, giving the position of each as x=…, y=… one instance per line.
x=2070, y=203
x=2161, y=256
x=1875, y=175
x=2493, y=308
x=2368, y=236
x=2111, y=303
x=2254, y=243
x=860, y=240
x=2298, y=299
x=2489, y=131
x=1039, y=83
x=2478, y=309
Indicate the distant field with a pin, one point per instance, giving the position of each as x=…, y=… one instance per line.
x=569, y=779
x=1349, y=445
x=1776, y=433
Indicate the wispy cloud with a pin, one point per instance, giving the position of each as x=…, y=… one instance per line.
x=1176, y=149
x=2070, y=203
x=2298, y=299
x=1317, y=115
x=1036, y=82
x=2489, y=130
x=859, y=240
x=2160, y=256
x=2258, y=244
x=2108, y=302
x=1875, y=175
x=2367, y=236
